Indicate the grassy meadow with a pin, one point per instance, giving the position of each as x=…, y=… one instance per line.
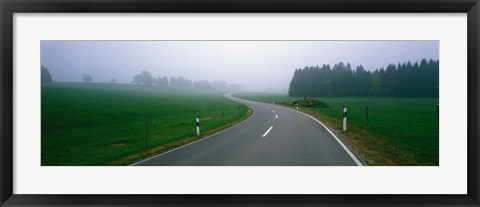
x=401, y=131
x=84, y=124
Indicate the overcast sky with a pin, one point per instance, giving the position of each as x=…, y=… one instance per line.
x=257, y=65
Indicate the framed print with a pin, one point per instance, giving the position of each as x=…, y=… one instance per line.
x=245, y=103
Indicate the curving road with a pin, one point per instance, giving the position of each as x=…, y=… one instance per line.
x=272, y=136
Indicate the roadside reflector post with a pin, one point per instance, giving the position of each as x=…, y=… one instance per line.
x=198, y=126
x=297, y=106
x=344, y=119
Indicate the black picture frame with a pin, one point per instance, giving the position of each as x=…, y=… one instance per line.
x=9, y=7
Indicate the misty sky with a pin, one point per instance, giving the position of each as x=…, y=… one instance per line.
x=257, y=65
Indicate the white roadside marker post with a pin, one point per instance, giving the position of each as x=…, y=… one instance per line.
x=344, y=119
x=198, y=127
x=297, y=106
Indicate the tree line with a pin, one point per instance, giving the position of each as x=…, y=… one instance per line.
x=402, y=80
x=146, y=78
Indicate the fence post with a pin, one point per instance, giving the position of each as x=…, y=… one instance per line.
x=366, y=115
x=198, y=126
x=146, y=132
x=344, y=119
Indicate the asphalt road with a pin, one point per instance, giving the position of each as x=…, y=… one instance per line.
x=272, y=136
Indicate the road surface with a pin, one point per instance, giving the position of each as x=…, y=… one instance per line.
x=272, y=136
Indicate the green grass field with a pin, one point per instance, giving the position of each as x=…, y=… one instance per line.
x=105, y=124
x=401, y=131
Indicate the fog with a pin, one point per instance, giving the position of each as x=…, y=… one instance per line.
x=258, y=65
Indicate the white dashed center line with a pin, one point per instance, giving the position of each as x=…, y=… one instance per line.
x=267, y=131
